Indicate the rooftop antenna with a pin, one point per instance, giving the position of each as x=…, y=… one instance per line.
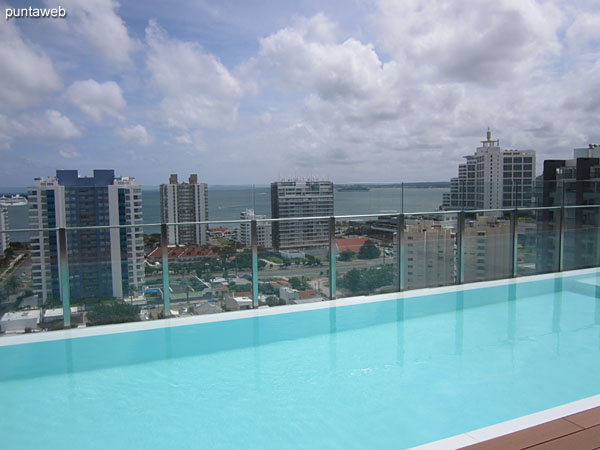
x=488, y=142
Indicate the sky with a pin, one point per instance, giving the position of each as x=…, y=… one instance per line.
x=249, y=91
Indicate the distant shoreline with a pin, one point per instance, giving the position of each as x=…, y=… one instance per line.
x=414, y=185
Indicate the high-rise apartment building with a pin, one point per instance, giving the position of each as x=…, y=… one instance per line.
x=569, y=182
x=4, y=238
x=493, y=178
x=487, y=249
x=301, y=198
x=431, y=258
x=184, y=202
x=263, y=230
x=102, y=262
x=429, y=254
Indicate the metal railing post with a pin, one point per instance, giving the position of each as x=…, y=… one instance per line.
x=561, y=239
x=332, y=256
x=514, y=240
x=400, y=252
x=597, y=225
x=63, y=267
x=164, y=247
x=460, y=248
x=254, y=245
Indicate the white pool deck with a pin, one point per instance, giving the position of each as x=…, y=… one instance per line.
x=454, y=442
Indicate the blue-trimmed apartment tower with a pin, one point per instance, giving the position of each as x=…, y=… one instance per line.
x=103, y=263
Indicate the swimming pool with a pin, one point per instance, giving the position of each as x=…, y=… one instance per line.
x=390, y=372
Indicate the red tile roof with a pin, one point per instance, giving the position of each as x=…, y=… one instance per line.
x=243, y=294
x=311, y=293
x=353, y=244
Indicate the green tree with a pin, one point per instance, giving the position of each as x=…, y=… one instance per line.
x=352, y=281
x=116, y=312
x=233, y=287
x=274, y=301
x=299, y=283
x=367, y=280
x=369, y=251
x=151, y=240
x=266, y=288
x=347, y=255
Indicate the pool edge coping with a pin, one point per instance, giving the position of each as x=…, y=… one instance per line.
x=511, y=426
x=99, y=330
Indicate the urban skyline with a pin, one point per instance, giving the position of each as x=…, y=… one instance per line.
x=347, y=90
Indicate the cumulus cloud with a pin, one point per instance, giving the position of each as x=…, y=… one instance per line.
x=421, y=95
x=136, y=134
x=401, y=94
x=584, y=30
x=467, y=40
x=97, y=22
x=26, y=73
x=68, y=151
x=307, y=57
x=197, y=90
x=97, y=100
x=350, y=99
x=51, y=125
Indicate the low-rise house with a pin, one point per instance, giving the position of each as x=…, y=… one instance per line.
x=237, y=303
x=56, y=314
x=287, y=294
x=207, y=308
x=20, y=321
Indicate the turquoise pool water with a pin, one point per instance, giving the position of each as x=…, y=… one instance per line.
x=389, y=374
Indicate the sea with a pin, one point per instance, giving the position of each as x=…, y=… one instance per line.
x=227, y=202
